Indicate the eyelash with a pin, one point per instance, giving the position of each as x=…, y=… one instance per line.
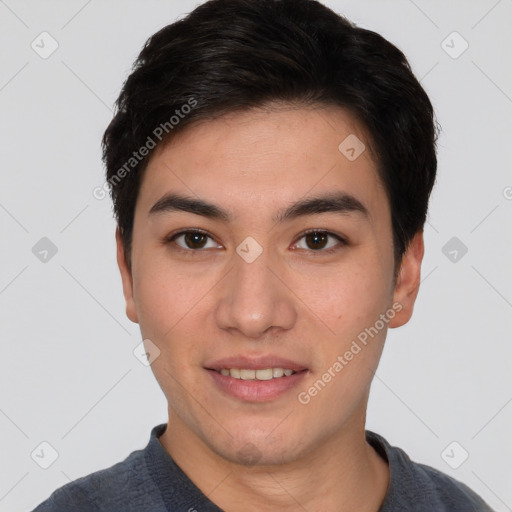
x=343, y=241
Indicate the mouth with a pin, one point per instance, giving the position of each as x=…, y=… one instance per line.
x=262, y=374
x=260, y=379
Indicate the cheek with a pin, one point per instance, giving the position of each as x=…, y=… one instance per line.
x=166, y=297
x=167, y=306
x=169, y=303
x=347, y=308
x=350, y=349
x=347, y=297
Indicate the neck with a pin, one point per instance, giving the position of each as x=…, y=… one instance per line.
x=343, y=474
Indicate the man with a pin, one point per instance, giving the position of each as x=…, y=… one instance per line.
x=270, y=165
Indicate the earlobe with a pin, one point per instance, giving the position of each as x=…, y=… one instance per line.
x=408, y=280
x=126, y=277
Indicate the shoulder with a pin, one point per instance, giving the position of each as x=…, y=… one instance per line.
x=419, y=487
x=124, y=486
x=453, y=494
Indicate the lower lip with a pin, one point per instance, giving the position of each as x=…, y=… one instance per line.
x=256, y=390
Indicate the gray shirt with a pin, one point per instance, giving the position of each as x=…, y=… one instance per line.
x=149, y=479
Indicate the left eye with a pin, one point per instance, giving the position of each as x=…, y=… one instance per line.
x=317, y=241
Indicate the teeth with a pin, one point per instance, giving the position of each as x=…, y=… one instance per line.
x=277, y=372
x=247, y=374
x=265, y=374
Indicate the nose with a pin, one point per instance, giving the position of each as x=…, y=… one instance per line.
x=254, y=298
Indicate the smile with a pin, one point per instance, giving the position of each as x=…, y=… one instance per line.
x=261, y=385
x=264, y=374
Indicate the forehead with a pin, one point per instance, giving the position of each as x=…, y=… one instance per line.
x=257, y=160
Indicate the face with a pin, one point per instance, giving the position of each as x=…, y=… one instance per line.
x=253, y=278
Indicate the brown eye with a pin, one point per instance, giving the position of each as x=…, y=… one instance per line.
x=192, y=240
x=318, y=241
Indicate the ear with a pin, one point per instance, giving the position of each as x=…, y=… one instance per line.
x=408, y=280
x=126, y=277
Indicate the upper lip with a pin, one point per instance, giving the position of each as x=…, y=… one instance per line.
x=255, y=363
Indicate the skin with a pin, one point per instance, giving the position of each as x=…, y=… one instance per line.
x=293, y=301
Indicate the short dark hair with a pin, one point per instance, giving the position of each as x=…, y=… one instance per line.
x=235, y=55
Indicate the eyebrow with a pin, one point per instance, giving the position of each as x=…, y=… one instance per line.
x=337, y=202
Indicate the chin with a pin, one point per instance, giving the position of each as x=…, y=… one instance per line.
x=251, y=448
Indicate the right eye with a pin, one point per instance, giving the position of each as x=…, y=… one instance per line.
x=192, y=240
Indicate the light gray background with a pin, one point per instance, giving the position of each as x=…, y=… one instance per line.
x=68, y=374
